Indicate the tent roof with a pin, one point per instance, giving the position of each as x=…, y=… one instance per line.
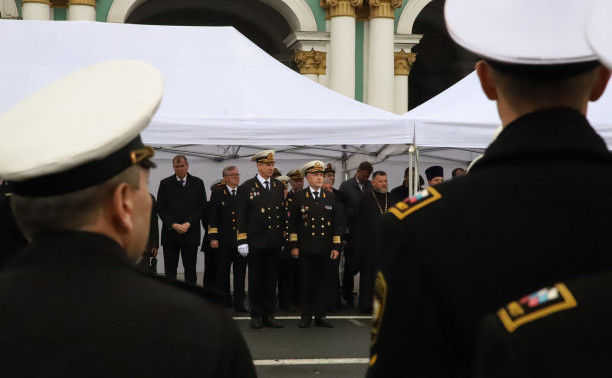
x=463, y=117
x=221, y=89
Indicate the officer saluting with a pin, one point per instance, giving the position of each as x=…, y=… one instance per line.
x=261, y=222
x=464, y=248
x=314, y=238
x=74, y=301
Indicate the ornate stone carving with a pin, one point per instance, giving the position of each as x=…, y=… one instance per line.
x=311, y=62
x=403, y=62
x=383, y=8
x=338, y=8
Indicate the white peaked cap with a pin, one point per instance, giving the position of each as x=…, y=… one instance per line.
x=92, y=116
x=529, y=32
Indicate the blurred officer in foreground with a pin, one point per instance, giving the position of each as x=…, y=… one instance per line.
x=561, y=330
x=12, y=241
x=433, y=291
x=74, y=302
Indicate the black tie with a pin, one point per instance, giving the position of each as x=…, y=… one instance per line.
x=316, y=195
x=182, y=183
x=267, y=186
x=233, y=192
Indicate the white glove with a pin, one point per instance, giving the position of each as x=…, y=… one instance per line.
x=243, y=249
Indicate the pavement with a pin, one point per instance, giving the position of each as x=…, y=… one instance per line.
x=293, y=352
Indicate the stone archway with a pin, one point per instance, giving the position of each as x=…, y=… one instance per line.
x=297, y=13
x=267, y=23
x=409, y=15
x=440, y=62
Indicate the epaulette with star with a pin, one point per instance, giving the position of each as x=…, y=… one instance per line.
x=412, y=204
x=535, y=306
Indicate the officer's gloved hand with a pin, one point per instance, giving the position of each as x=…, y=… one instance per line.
x=243, y=249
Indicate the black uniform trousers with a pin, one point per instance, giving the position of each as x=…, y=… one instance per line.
x=314, y=284
x=288, y=281
x=225, y=258
x=189, y=255
x=263, y=272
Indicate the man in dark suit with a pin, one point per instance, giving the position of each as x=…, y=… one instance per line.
x=314, y=239
x=261, y=222
x=74, y=303
x=181, y=201
x=352, y=193
x=222, y=228
x=463, y=248
x=403, y=190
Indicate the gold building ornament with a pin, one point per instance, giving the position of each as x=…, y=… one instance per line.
x=310, y=62
x=384, y=8
x=403, y=62
x=339, y=8
x=46, y=2
x=91, y=3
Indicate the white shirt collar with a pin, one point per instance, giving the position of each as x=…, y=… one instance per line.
x=261, y=180
x=313, y=191
x=230, y=189
x=178, y=179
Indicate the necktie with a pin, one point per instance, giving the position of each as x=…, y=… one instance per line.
x=233, y=192
x=182, y=182
x=267, y=186
x=316, y=194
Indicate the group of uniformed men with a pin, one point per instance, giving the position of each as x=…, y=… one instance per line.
x=451, y=294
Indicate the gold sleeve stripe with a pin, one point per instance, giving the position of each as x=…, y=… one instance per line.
x=293, y=237
x=401, y=214
x=568, y=302
x=373, y=359
x=213, y=230
x=336, y=240
x=242, y=236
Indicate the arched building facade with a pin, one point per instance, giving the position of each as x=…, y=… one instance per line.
x=360, y=48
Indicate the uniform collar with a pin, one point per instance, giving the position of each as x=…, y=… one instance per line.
x=73, y=248
x=545, y=133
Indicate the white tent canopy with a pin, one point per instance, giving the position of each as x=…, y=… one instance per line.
x=463, y=117
x=221, y=89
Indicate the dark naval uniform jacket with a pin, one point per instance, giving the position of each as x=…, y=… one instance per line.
x=180, y=204
x=72, y=304
x=561, y=330
x=315, y=226
x=222, y=217
x=458, y=251
x=261, y=214
x=12, y=241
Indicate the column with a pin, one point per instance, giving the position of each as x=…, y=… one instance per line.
x=310, y=63
x=82, y=10
x=403, y=64
x=310, y=53
x=342, y=45
x=36, y=9
x=380, y=61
